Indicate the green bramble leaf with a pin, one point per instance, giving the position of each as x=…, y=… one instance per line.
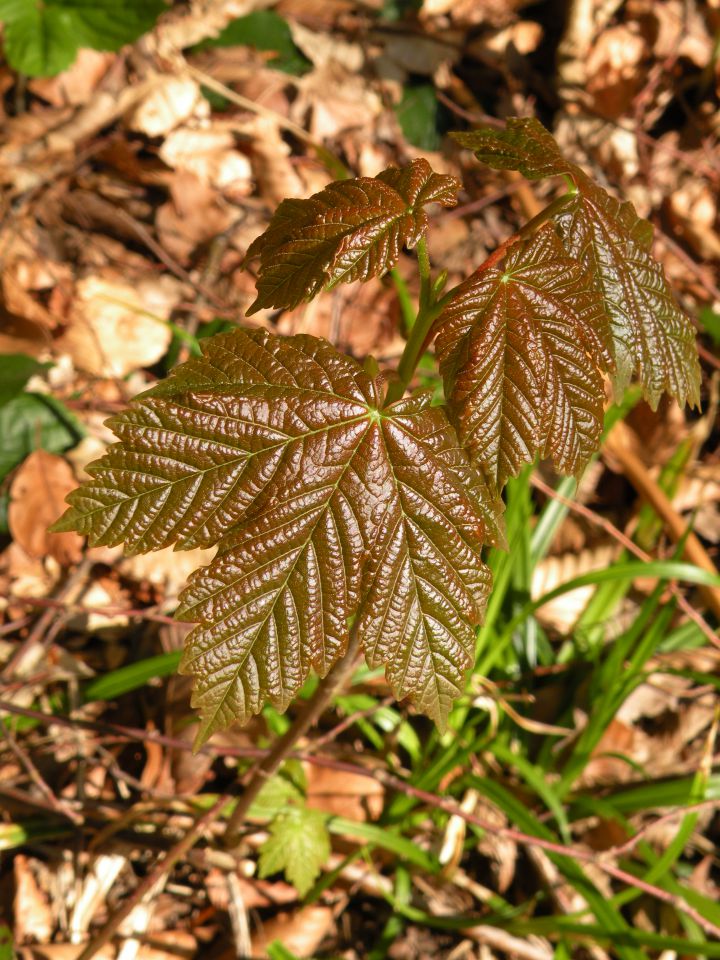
x=351, y=230
x=15, y=371
x=649, y=335
x=521, y=351
x=42, y=39
x=264, y=30
x=31, y=421
x=298, y=846
x=326, y=507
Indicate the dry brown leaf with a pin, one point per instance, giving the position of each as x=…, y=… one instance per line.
x=501, y=851
x=34, y=921
x=301, y=932
x=117, y=327
x=209, y=153
x=76, y=85
x=419, y=55
x=275, y=174
x=17, y=300
x=337, y=100
x=344, y=794
x=562, y=612
x=193, y=216
x=693, y=210
x=173, y=101
x=322, y=48
x=37, y=496
x=614, y=69
x=524, y=37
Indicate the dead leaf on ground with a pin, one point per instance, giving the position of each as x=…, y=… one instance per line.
x=301, y=932
x=210, y=154
x=344, y=794
x=76, y=85
x=192, y=217
x=37, y=496
x=173, y=101
x=117, y=327
x=34, y=920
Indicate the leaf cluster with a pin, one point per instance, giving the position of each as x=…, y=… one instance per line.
x=338, y=507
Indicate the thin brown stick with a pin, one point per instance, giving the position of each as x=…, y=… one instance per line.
x=396, y=783
x=619, y=444
x=39, y=631
x=37, y=778
x=160, y=871
x=283, y=747
x=631, y=547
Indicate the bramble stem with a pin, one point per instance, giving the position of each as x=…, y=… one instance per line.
x=326, y=689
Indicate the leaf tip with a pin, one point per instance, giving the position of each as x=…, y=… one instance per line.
x=67, y=523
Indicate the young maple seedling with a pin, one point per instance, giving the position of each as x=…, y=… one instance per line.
x=348, y=515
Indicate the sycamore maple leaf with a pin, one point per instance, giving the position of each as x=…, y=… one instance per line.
x=326, y=505
x=520, y=350
x=351, y=230
x=648, y=333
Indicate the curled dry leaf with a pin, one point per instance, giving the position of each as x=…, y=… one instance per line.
x=116, y=327
x=168, y=104
x=38, y=490
x=76, y=85
x=209, y=154
x=343, y=794
x=300, y=932
x=562, y=612
x=34, y=920
x=194, y=215
x=614, y=70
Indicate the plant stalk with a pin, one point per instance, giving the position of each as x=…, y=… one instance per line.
x=326, y=690
x=554, y=207
x=423, y=322
x=422, y=331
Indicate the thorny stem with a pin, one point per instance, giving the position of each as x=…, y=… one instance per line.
x=286, y=744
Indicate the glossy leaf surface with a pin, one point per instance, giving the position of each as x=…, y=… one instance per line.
x=520, y=350
x=649, y=335
x=325, y=507
x=351, y=230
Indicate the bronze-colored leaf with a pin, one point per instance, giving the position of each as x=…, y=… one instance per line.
x=351, y=230
x=520, y=351
x=649, y=335
x=523, y=145
x=326, y=507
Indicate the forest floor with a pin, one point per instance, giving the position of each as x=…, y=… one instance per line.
x=572, y=809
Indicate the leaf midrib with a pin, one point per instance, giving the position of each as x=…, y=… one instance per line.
x=281, y=589
x=247, y=457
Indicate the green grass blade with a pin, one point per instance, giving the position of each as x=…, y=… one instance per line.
x=132, y=677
